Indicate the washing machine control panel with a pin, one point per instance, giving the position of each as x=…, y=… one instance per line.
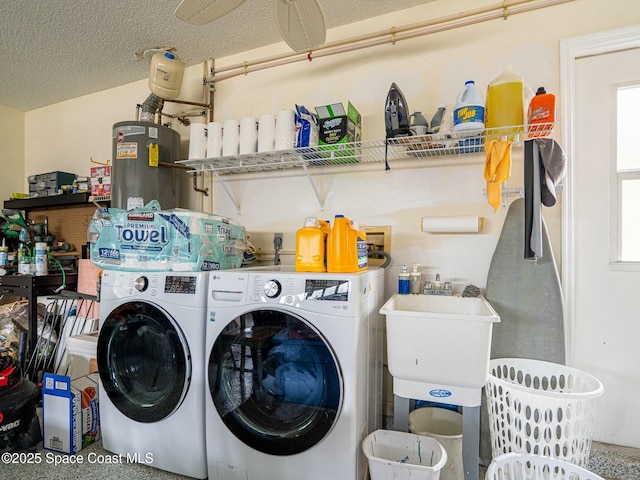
x=322, y=293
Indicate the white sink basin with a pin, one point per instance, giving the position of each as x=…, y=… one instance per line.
x=438, y=346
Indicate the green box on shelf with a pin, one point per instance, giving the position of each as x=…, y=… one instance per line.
x=339, y=130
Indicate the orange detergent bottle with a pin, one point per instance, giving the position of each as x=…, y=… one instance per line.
x=311, y=242
x=504, y=111
x=541, y=114
x=346, y=249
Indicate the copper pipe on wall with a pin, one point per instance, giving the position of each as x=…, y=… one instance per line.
x=204, y=191
x=392, y=35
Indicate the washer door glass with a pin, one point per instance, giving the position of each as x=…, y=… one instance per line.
x=275, y=382
x=143, y=360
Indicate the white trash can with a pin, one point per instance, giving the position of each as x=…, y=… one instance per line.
x=396, y=455
x=446, y=427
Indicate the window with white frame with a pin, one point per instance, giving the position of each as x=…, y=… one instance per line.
x=628, y=173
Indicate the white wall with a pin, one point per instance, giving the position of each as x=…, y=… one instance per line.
x=11, y=151
x=429, y=70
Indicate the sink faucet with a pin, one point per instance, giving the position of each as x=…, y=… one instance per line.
x=437, y=288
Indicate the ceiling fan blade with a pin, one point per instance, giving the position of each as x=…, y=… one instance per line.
x=301, y=23
x=201, y=12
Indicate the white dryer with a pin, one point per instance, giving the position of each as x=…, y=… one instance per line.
x=294, y=373
x=151, y=361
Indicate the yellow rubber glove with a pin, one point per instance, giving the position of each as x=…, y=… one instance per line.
x=497, y=169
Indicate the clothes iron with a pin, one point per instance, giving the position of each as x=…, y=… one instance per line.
x=396, y=114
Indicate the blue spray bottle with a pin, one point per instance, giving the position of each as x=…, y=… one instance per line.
x=404, y=280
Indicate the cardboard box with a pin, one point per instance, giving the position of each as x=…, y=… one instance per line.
x=339, y=130
x=101, y=180
x=70, y=419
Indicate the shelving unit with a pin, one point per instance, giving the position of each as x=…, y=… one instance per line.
x=47, y=202
x=387, y=151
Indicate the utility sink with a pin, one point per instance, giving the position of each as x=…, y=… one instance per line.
x=439, y=346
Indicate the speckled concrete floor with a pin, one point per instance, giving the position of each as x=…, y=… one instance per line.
x=97, y=464
x=614, y=462
x=609, y=461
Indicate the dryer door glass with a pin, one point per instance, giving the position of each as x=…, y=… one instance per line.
x=143, y=360
x=275, y=382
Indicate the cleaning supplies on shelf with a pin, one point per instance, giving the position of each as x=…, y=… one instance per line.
x=437, y=119
x=4, y=254
x=25, y=267
x=404, y=281
x=468, y=114
x=396, y=116
x=504, y=102
x=419, y=125
x=415, y=280
x=41, y=259
x=307, y=127
x=541, y=113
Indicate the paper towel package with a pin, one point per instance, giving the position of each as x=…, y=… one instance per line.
x=165, y=240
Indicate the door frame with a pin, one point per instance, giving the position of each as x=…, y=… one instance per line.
x=572, y=49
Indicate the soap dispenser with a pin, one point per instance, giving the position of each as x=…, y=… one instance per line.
x=403, y=281
x=415, y=280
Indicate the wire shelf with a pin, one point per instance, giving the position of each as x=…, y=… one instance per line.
x=368, y=151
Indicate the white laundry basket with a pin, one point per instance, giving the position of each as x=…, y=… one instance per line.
x=521, y=466
x=396, y=455
x=541, y=408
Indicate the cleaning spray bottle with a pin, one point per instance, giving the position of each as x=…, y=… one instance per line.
x=541, y=113
x=24, y=260
x=437, y=119
x=415, y=280
x=42, y=260
x=4, y=254
x=404, y=281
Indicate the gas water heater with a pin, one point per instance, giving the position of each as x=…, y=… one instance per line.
x=137, y=175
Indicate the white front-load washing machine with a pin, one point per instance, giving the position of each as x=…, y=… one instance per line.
x=294, y=373
x=151, y=361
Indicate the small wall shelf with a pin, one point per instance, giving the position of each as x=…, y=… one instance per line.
x=363, y=152
x=48, y=202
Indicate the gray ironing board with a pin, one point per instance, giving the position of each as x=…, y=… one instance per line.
x=528, y=297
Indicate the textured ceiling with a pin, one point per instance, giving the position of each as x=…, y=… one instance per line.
x=52, y=51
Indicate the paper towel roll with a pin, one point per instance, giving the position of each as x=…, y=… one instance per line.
x=248, y=135
x=266, y=132
x=214, y=139
x=230, y=137
x=452, y=224
x=285, y=130
x=197, y=141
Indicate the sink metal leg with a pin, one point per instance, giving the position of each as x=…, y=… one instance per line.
x=471, y=442
x=401, y=407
